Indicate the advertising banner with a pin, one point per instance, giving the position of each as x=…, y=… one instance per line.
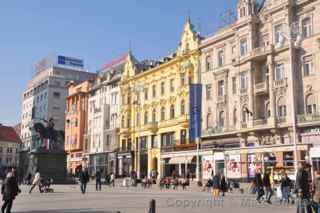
x=68, y=61
x=195, y=111
x=207, y=166
x=234, y=166
x=251, y=165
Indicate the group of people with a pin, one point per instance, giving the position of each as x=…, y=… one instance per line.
x=218, y=184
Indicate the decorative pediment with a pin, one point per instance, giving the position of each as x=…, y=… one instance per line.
x=130, y=67
x=189, y=39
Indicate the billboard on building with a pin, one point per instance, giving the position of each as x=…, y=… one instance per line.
x=195, y=111
x=69, y=61
x=207, y=166
x=234, y=166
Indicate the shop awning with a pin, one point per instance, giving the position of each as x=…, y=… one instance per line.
x=180, y=160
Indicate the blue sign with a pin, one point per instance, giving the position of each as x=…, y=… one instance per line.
x=195, y=111
x=68, y=61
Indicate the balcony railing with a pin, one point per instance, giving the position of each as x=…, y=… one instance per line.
x=305, y=118
x=152, y=126
x=259, y=121
x=244, y=125
x=261, y=87
x=217, y=130
x=180, y=147
x=260, y=51
x=281, y=119
x=221, y=98
x=281, y=83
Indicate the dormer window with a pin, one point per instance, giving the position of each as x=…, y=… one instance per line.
x=243, y=12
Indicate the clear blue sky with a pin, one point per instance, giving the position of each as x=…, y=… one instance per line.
x=94, y=30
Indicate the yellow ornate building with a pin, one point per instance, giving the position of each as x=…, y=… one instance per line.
x=155, y=110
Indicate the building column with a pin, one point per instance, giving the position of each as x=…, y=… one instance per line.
x=272, y=101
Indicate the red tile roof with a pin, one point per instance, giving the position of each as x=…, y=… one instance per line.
x=8, y=134
x=116, y=61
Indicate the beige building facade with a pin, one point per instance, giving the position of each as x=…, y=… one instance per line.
x=260, y=91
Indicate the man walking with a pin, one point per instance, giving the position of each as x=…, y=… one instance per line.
x=216, y=185
x=84, y=179
x=98, y=180
x=259, y=186
x=267, y=186
x=9, y=191
x=303, y=189
x=36, y=182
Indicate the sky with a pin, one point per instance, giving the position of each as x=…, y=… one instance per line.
x=96, y=31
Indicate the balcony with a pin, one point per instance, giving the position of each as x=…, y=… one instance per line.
x=259, y=121
x=180, y=147
x=260, y=52
x=306, y=118
x=261, y=88
x=152, y=126
x=222, y=99
x=281, y=83
x=217, y=130
x=282, y=119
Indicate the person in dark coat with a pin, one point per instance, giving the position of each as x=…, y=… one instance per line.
x=259, y=186
x=286, y=185
x=267, y=187
x=98, y=180
x=223, y=185
x=84, y=179
x=9, y=191
x=303, y=189
x=216, y=185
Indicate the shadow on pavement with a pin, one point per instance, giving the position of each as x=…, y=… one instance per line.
x=69, y=211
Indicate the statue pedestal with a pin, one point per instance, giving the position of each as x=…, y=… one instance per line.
x=51, y=164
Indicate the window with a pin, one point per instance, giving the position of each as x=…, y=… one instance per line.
x=183, y=136
x=243, y=12
x=162, y=88
x=221, y=88
x=154, y=94
x=182, y=107
x=307, y=66
x=154, y=116
x=122, y=122
x=234, y=85
x=182, y=79
x=220, y=58
x=171, y=85
x=154, y=143
x=146, y=93
x=167, y=139
x=163, y=113
x=209, y=120
x=235, y=118
x=146, y=117
x=138, y=119
x=56, y=95
x=282, y=108
x=311, y=106
x=243, y=81
x=208, y=63
x=243, y=47
x=221, y=119
x=245, y=114
x=278, y=33
x=128, y=122
x=306, y=27
x=172, y=112
x=279, y=72
x=208, y=91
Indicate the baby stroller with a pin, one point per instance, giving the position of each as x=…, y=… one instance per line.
x=45, y=184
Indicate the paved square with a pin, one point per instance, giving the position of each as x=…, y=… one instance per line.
x=68, y=199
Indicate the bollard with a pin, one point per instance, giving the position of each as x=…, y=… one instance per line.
x=152, y=206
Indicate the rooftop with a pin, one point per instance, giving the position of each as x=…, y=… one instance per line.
x=8, y=134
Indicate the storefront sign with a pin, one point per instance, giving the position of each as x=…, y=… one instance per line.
x=207, y=166
x=218, y=156
x=234, y=166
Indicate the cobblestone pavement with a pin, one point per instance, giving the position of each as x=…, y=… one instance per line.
x=68, y=199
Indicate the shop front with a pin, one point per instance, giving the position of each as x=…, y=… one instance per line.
x=97, y=162
x=125, y=164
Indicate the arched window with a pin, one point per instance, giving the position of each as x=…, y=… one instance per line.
x=282, y=108
x=221, y=119
x=146, y=117
x=154, y=116
x=163, y=113
x=235, y=117
x=311, y=104
x=209, y=120
x=208, y=63
x=182, y=107
x=172, y=111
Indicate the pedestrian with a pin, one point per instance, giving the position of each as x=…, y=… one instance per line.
x=286, y=185
x=98, y=180
x=84, y=179
x=316, y=196
x=216, y=185
x=9, y=191
x=36, y=182
x=267, y=186
x=259, y=186
x=112, y=179
x=223, y=185
x=303, y=189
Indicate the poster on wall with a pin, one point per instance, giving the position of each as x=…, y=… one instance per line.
x=234, y=167
x=207, y=166
x=251, y=165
